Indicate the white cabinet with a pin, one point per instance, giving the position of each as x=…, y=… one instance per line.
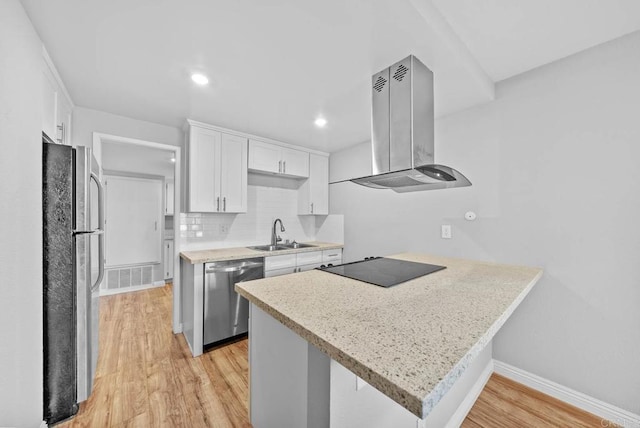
x=168, y=259
x=169, y=196
x=57, y=107
x=308, y=261
x=313, y=196
x=279, y=272
x=264, y=157
x=295, y=162
x=300, y=262
x=49, y=102
x=273, y=159
x=332, y=256
x=217, y=164
x=279, y=262
x=233, y=174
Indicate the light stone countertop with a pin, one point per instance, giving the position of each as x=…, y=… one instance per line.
x=220, y=254
x=411, y=341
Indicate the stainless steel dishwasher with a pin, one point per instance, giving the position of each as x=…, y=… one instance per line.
x=226, y=313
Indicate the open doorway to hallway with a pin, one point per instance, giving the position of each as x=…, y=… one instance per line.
x=143, y=202
x=139, y=188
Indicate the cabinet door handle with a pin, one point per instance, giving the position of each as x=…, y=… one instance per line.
x=224, y=204
x=280, y=166
x=218, y=203
x=311, y=207
x=284, y=166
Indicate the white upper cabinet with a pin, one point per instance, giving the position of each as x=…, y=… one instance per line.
x=217, y=164
x=313, y=196
x=264, y=157
x=57, y=108
x=295, y=162
x=233, y=173
x=203, y=180
x=274, y=159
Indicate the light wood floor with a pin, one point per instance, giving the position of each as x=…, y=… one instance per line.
x=146, y=377
x=504, y=403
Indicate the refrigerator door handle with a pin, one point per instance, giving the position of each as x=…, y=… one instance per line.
x=99, y=231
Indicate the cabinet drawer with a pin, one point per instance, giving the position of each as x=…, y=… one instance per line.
x=309, y=258
x=279, y=272
x=332, y=255
x=279, y=262
x=308, y=267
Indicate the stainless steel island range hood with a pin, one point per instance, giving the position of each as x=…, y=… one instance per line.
x=403, y=132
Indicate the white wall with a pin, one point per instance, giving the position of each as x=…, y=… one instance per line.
x=21, y=219
x=556, y=184
x=87, y=121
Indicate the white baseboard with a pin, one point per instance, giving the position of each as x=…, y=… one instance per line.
x=582, y=401
x=463, y=409
x=130, y=289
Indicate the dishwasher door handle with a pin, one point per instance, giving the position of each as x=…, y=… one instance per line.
x=231, y=268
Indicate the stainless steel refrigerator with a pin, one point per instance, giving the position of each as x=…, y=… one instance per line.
x=73, y=267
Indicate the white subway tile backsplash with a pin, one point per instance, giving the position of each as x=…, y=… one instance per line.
x=265, y=204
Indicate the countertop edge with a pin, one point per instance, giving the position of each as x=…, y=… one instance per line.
x=184, y=255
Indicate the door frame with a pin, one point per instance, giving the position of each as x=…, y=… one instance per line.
x=98, y=139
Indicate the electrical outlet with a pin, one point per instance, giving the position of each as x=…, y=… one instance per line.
x=445, y=231
x=224, y=229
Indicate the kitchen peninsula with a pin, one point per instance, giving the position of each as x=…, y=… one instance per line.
x=317, y=339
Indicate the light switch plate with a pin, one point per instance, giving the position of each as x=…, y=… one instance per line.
x=445, y=231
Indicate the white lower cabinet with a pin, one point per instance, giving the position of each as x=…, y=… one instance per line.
x=300, y=262
x=278, y=272
x=332, y=256
x=168, y=259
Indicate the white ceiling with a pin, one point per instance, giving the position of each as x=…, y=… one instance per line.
x=275, y=65
x=136, y=159
x=509, y=37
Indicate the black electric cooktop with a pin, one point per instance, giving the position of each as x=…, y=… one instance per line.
x=383, y=272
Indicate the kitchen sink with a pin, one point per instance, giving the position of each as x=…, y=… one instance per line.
x=270, y=247
x=296, y=245
x=280, y=247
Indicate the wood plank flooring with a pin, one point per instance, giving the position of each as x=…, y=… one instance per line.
x=146, y=377
x=504, y=403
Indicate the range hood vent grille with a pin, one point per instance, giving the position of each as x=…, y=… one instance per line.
x=380, y=84
x=401, y=71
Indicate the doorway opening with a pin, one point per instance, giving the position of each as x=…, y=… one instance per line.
x=142, y=215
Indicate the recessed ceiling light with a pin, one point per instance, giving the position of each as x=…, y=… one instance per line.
x=320, y=122
x=200, y=79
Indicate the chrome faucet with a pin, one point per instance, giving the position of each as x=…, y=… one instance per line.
x=274, y=236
